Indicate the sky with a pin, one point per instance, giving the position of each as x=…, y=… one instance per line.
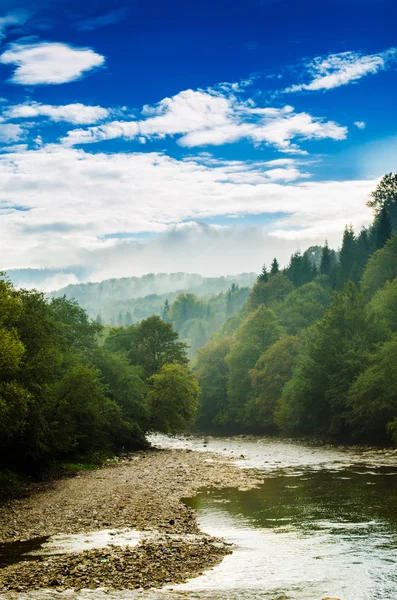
x=205, y=137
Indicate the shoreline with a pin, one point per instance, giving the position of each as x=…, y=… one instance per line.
x=142, y=492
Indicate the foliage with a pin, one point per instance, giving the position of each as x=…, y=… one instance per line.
x=151, y=344
x=274, y=290
x=303, y=307
x=212, y=372
x=172, y=398
x=259, y=331
x=381, y=267
x=63, y=397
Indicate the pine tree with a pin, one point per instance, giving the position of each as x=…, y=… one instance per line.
x=325, y=265
x=264, y=275
x=347, y=258
x=275, y=268
x=98, y=319
x=382, y=229
x=128, y=319
x=120, y=320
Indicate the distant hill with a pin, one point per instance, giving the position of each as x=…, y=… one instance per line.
x=130, y=299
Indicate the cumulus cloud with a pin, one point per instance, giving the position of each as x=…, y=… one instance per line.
x=77, y=205
x=335, y=70
x=360, y=124
x=200, y=118
x=49, y=62
x=72, y=113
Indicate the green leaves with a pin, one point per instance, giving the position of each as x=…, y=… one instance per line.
x=172, y=398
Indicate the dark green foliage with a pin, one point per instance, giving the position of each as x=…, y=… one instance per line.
x=264, y=275
x=301, y=269
x=385, y=197
x=212, y=373
x=304, y=361
x=172, y=398
x=275, y=268
x=63, y=397
x=150, y=344
x=259, y=331
x=347, y=267
x=272, y=371
x=381, y=230
x=381, y=267
x=336, y=351
x=372, y=399
x=303, y=307
x=268, y=293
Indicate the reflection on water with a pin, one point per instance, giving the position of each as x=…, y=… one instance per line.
x=324, y=534
x=324, y=523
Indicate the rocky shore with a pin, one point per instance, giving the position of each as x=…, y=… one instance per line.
x=142, y=492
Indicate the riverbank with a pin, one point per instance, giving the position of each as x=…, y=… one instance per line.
x=142, y=493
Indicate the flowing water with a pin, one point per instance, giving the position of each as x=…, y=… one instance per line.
x=323, y=523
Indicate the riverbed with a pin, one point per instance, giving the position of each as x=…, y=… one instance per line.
x=314, y=521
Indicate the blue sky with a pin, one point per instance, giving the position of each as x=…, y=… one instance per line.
x=173, y=136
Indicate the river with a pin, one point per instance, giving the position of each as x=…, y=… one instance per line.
x=324, y=523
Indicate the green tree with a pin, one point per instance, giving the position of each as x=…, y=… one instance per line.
x=268, y=293
x=336, y=350
x=275, y=267
x=149, y=344
x=381, y=267
x=372, y=399
x=385, y=197
x=263, y=277
x=381, y=229
x=347, y=259
x=212, y=373
x=172, y=398
x=184, y=308
x=259, y=331
x=272, y=371
x=303, y=307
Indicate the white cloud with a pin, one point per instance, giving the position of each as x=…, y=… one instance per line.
x=340, y=69
x=360, y=124
x=71, y=113
x=213, y=118
x=73, y=201
x=10, y=133
x=49, y=62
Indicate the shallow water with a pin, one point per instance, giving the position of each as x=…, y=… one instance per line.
x=324, y=523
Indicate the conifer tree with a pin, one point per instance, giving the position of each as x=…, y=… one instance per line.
x=275, y=268
x=325, y=265
x=381, y=230
x=264, y=275
x=347, y=258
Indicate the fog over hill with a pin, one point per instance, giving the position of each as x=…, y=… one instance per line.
x=143, y=296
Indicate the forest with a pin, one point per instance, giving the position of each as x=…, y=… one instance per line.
x=309, y=350
x=66, y=393
x=313, y=352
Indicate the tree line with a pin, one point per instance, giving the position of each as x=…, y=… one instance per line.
x=67, y=393
x=314, y=349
